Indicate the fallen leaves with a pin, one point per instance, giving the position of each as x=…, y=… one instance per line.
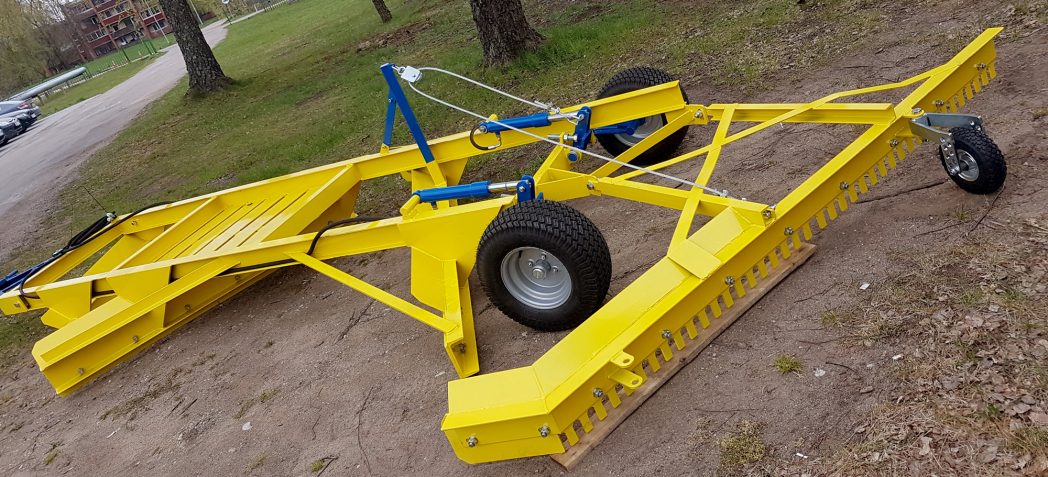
x=925, y=446
x=969, y=344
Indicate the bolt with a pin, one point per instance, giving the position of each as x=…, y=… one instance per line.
x=18, y=305
x=531, y=263
x=556, y=269
x=940, y=103
x=789, y=230
x=80, y=371
x=893, y=142
x=729, y=280
x=698, y=114
x=542, y=257
x=590, y=186
x=598, y=392
x=521, y=189
x=918, y=111
x=980, y=66
x=666, y=334
x=188, y=307
x=237, y=277
x=767, y=213
x=538, y=273
x=472, y=441
x=544, y=431
x=134, y=338
x=461, y=347
x=134, y=222
x=844, y=185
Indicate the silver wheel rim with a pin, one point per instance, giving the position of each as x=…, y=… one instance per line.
x=647, y=126
x=969, y=168
x=536, y=278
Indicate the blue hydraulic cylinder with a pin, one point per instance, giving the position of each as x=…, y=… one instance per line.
x=524, y=188
x=519, y=122
x=476, y=190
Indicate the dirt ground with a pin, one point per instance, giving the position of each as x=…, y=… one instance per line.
x=301, y=370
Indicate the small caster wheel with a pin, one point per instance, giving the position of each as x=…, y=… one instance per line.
x=977, y=165
x=545, y=265
x=633, y=79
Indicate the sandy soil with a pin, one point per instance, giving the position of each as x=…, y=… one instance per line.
x=301, y=369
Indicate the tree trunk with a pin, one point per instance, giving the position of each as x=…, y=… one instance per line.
x=504, y=31
x=205, y=74
x=383, y=10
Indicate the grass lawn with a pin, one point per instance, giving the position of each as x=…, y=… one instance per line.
x=307, y=96
x=308, y=89
x=135, y=51
x=94, y=86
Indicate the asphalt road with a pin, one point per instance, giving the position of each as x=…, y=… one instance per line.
x=34, y=165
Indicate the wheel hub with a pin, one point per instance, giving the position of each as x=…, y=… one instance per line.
x=539, y=272
x=968, y=169
x=536, y=278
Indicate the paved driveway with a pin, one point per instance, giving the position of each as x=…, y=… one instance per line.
x=34, y=165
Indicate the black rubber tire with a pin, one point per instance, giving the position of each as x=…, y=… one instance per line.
x=568, y=235
x=633, y=79
x=992, y=167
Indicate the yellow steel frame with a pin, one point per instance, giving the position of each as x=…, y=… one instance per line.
x=162, y=268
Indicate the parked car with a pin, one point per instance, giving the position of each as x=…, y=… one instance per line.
x=24, y=111
x=9, y=128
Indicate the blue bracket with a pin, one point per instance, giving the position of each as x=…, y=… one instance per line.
x=526, y=189
x=582, y=132
x=628, y=127
x=397, y=99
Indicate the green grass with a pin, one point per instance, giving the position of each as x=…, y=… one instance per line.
x=94, y=86
x=742, y=447
x=50, y=457
x=1028, y=439
x=136, y=51
x=832, y=319
x=787, y=364
x=316, y=99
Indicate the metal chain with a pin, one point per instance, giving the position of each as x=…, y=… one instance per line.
x=411, y=84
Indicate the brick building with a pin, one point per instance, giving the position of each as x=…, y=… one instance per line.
x=103, y=26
